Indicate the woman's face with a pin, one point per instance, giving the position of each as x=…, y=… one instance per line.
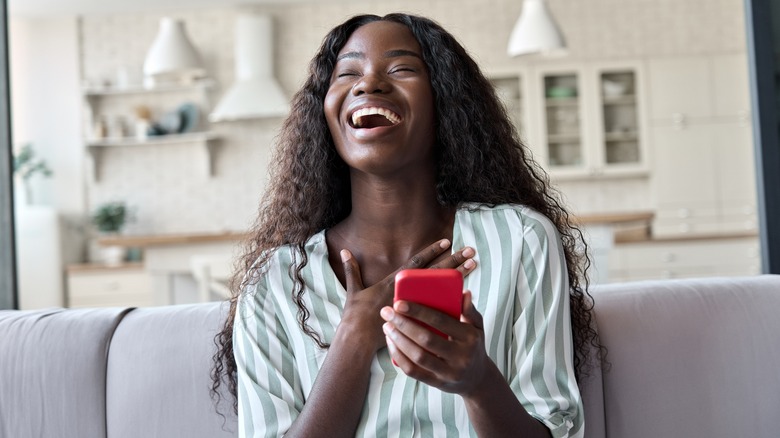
x=379, y=106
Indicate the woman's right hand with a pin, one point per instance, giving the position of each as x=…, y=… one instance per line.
x=361, y=310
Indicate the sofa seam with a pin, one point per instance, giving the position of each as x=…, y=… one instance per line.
x=118, y=320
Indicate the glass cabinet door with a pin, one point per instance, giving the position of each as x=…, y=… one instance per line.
x=563, y=131
x=508, y=89
x=619, y=112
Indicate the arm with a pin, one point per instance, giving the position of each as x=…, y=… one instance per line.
x=540, y=376
x=462, y=367
x=343, y=380
x=270, y=400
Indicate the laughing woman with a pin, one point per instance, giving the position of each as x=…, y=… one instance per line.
x=397, y=154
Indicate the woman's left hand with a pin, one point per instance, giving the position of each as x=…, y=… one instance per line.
x=455, y=365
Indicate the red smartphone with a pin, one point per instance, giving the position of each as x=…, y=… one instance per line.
x=441, y=289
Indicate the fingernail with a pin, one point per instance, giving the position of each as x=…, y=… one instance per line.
x=344, y=255
x=468, y=252
x=401, y=306
x=386, y=313
x=387, y=329
x=444, y=243
x=390, y=345
x=469, y=264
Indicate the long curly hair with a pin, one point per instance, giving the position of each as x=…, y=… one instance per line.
x=480, y=159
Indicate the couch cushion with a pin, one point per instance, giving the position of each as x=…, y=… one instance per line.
x=158, y=374
x=691, y=358
x=53, y=371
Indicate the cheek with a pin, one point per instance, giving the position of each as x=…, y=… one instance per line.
x=332, y=108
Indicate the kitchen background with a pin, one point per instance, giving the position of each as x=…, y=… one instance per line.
x=679, y=200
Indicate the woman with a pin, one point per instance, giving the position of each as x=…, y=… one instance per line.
x=398, y=154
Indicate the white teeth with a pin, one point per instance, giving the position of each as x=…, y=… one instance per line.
x=389, y=115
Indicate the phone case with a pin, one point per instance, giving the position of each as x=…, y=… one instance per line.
x=441, y=289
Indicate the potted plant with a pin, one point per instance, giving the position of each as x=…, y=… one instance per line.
x=26, y=165
x=110, y=218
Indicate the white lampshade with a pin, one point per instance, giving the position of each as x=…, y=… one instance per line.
x=535, y=31
x=172, y=56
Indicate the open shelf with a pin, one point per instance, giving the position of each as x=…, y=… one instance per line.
x=206, y=140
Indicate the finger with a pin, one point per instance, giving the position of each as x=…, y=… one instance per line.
x=427, y=255
x=470, y=314
x=461, y=260
x=426, y=327
x=351, y=271
x=407, y=366
x=456, y=259
x=411, y=351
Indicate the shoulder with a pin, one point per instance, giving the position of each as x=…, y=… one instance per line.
x=272, y=267
x=513, y=217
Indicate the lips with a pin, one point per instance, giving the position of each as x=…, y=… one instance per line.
x=373, y=116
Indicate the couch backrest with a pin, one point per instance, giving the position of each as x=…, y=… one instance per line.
x=53, y=372
x=691, y=358
x=158, y=374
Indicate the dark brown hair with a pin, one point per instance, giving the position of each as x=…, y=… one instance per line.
x=480, y=159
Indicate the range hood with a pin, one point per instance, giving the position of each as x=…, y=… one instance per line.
x=255, y=94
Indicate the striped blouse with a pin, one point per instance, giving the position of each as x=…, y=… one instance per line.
x=520, y=287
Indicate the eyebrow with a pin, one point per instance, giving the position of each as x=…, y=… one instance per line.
x=388, y=54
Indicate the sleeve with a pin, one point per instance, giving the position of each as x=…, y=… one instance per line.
x=269, y=390
x=544, y=379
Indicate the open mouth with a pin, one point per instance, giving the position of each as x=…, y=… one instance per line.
x=374, y=117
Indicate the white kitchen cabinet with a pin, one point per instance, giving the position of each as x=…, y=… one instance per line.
x=680, y=89
x=112, y=121
x=511, y=88
x=593, y=120
x=99, y=286
x=699, y=89
x=680, y=258
x=703, y=169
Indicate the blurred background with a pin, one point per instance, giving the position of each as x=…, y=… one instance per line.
x=142, y=132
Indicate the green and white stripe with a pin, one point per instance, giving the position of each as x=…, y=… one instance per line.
x=520, y=287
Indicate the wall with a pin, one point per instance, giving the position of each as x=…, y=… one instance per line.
x=44, y=68
x=171, y=197
x=44, y=76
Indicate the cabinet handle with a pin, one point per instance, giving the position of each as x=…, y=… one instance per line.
x=744, y=118
x=679, y=120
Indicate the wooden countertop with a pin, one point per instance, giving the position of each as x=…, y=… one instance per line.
x=142, y=241
x=170, y=239
x=614, y=218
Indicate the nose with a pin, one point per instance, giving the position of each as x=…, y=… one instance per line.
x=370, y=83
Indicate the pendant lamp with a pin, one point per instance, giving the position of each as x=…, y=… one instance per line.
x=172, y=57
x=535, y=31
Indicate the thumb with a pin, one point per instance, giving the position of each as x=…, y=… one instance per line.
x=469, y=314
x=351, y=271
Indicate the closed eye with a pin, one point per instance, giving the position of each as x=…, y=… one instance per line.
x=402, y=69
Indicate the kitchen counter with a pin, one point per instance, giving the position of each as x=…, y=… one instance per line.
x=146, y=241
x=171, y=239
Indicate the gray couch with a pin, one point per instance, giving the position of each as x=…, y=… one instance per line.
x=687, y=358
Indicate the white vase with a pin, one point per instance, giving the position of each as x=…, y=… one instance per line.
x=22, y=193
x=113, y=255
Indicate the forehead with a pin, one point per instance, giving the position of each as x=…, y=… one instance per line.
x=381, y=36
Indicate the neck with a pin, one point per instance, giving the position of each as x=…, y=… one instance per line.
x=393, y=219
